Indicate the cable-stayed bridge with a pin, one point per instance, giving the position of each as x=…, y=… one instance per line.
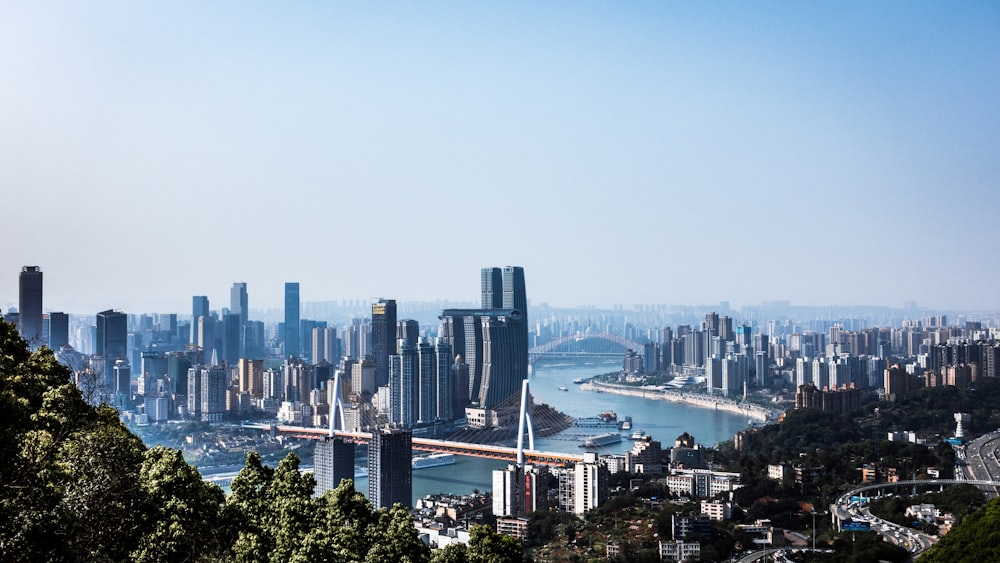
x=521, y=454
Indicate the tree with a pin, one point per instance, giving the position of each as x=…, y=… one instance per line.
x=488, y=546
x=451, y=553
x=395, y=538
x=103, y=493
x=184, y=521
x=40, y=409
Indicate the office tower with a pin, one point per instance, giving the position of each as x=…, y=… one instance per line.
x=230, y=338
x=505, y=357
x=112, y=335
x=238, y=301
x=492, y=288
x=514, y=294
x=463, y=330
x=29, y=308
x=292, y=344
x=492, y=341
x=427, y=383
x=363, y=377
x=407, y=330
x=199, y=308
x=153, y=362
x=121, y=378
x=58, y=330
x=383, y=330
x=443, y=381
x=390, y=469
x=205, y=328
x=333, y=462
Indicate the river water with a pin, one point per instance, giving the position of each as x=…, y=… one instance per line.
x=663, y=420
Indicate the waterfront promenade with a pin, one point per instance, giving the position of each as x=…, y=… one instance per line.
x=751, y=411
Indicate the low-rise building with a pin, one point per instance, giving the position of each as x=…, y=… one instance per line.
x=680, y=551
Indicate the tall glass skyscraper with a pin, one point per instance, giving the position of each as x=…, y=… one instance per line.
x=112, y=336
x=383, y=338
x=29, y=306
x=292, y=341
x=238, y=301
x=492, y=288
x=493, y=341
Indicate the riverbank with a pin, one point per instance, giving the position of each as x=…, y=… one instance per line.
x=752, y=412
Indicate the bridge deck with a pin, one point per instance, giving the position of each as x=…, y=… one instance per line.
x=446, y=446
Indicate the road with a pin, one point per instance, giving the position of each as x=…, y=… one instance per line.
x=979, y=460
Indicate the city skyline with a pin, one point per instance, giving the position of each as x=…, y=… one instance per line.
x=648, y=153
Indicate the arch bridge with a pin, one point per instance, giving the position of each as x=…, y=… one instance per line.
x=589, y=344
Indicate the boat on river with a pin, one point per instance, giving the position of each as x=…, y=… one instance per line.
x=601, y=440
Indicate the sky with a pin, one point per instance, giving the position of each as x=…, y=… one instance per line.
x=825, y=153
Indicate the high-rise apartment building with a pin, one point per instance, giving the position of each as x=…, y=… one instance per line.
x=404, y=374
x=29, y=306
x=427, y=383
x=333, y=462
x=292, y=318
x=390, y=469
x=112, y=336
x=383, y=338
x=252, y=377
x=444, y=383
x=407, y=330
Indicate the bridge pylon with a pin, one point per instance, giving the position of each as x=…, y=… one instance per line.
x=336, y=406
x=524, y=423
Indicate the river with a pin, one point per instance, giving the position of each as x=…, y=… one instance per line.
x=663, y=420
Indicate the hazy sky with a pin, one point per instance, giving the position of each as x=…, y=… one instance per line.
x=622, y=152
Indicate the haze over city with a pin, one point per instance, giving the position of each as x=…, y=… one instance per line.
x=622, y=153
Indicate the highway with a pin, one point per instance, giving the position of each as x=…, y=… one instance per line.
x=979, y=460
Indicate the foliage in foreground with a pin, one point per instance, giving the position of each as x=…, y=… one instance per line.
x=76, y=485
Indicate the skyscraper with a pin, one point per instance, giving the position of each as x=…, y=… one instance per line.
x=292, y=346
x=492, y=288
x=199, y=309
x=29, y=306
x=404, y=374
x=333, y=462
x=383, y=338
x=493, y=341
x=58, y=330
x=238, y=301
x=390, y=469
x=112, y=336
